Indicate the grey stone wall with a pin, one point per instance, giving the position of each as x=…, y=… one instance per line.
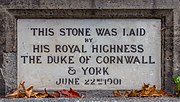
x=10, y=10
x=2, y=48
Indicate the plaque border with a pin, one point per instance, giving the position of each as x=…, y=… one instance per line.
x=167, y=35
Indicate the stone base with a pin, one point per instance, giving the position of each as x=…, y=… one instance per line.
x=133, y=99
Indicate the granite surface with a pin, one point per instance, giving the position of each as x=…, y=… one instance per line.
x=10, y=10
x=9, y=71
x=153, y=99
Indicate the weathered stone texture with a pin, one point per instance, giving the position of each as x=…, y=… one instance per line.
x=90, y=4
x=10, y=10
x=176, y=60
x=106, y=99
x=2, y=48
x=2, y=85
x=9, y=71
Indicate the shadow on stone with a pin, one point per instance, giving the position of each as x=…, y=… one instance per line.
x=2, y=85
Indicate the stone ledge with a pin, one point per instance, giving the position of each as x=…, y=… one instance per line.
x=130, y=99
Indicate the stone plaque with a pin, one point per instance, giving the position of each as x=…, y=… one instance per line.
x=89, y=54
